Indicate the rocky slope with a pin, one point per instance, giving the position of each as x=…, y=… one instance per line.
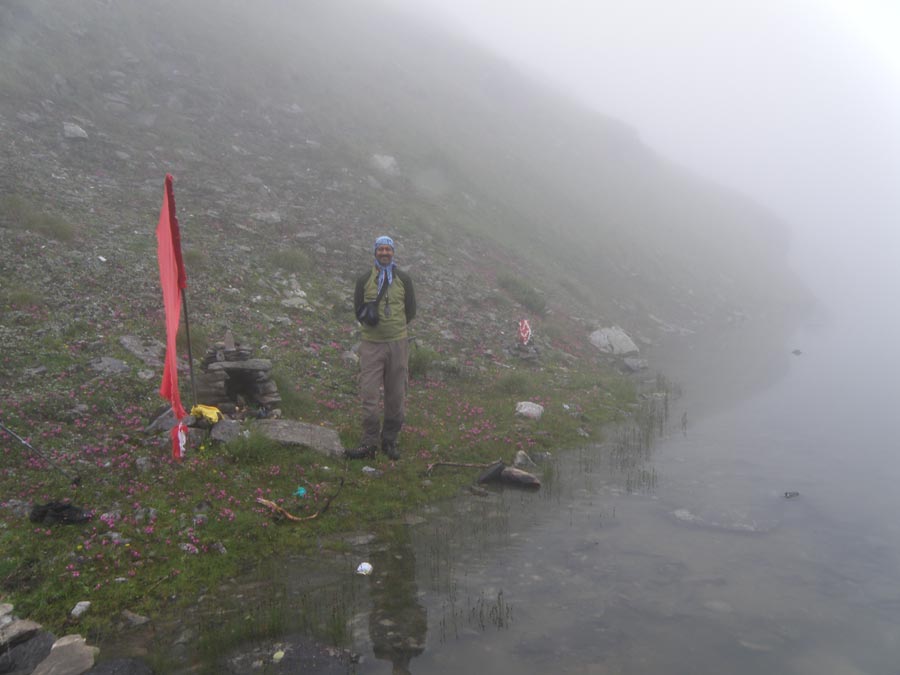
x=299, y=131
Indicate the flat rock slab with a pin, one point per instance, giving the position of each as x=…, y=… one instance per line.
x=249, y=364
x=225, y=431
x=70, y=655
x=24, y=657
x=289, y=432
x=109, y=366
x=17, y=631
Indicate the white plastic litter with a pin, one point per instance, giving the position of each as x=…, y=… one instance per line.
x=364, y=568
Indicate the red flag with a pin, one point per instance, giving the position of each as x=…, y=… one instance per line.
x=173, y=279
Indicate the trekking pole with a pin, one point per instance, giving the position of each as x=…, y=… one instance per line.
x=75, y=480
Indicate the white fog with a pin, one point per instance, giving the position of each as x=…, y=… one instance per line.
x=794, y=103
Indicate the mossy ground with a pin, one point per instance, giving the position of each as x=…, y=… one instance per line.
x=160, y=528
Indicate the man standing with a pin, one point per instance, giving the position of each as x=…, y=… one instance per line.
x=384, y=350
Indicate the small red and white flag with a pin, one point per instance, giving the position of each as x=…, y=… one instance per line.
x=179, y=441
x=524, y=332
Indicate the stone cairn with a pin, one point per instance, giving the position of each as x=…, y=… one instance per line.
x=232, y=380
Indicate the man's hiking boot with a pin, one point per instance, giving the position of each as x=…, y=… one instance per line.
x=362, y=452
x=391, y=450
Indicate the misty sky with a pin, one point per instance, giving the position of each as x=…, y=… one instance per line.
x=795, y=102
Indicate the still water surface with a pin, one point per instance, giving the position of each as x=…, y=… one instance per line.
x=689, y=560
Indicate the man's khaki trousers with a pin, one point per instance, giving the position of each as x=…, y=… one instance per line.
x=383, y=365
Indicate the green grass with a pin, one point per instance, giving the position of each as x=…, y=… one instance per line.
x=517, y=382
x=295, y=402
x=21, y=213
x=195, y=259
x=20, y=296
x=199, y=339
x=293, y=260
x=522, y=292
x=422, y=361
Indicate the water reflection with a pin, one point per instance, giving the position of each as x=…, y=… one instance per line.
x=397, y=622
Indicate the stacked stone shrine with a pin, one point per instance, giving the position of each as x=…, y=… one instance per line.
x=233, y=381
